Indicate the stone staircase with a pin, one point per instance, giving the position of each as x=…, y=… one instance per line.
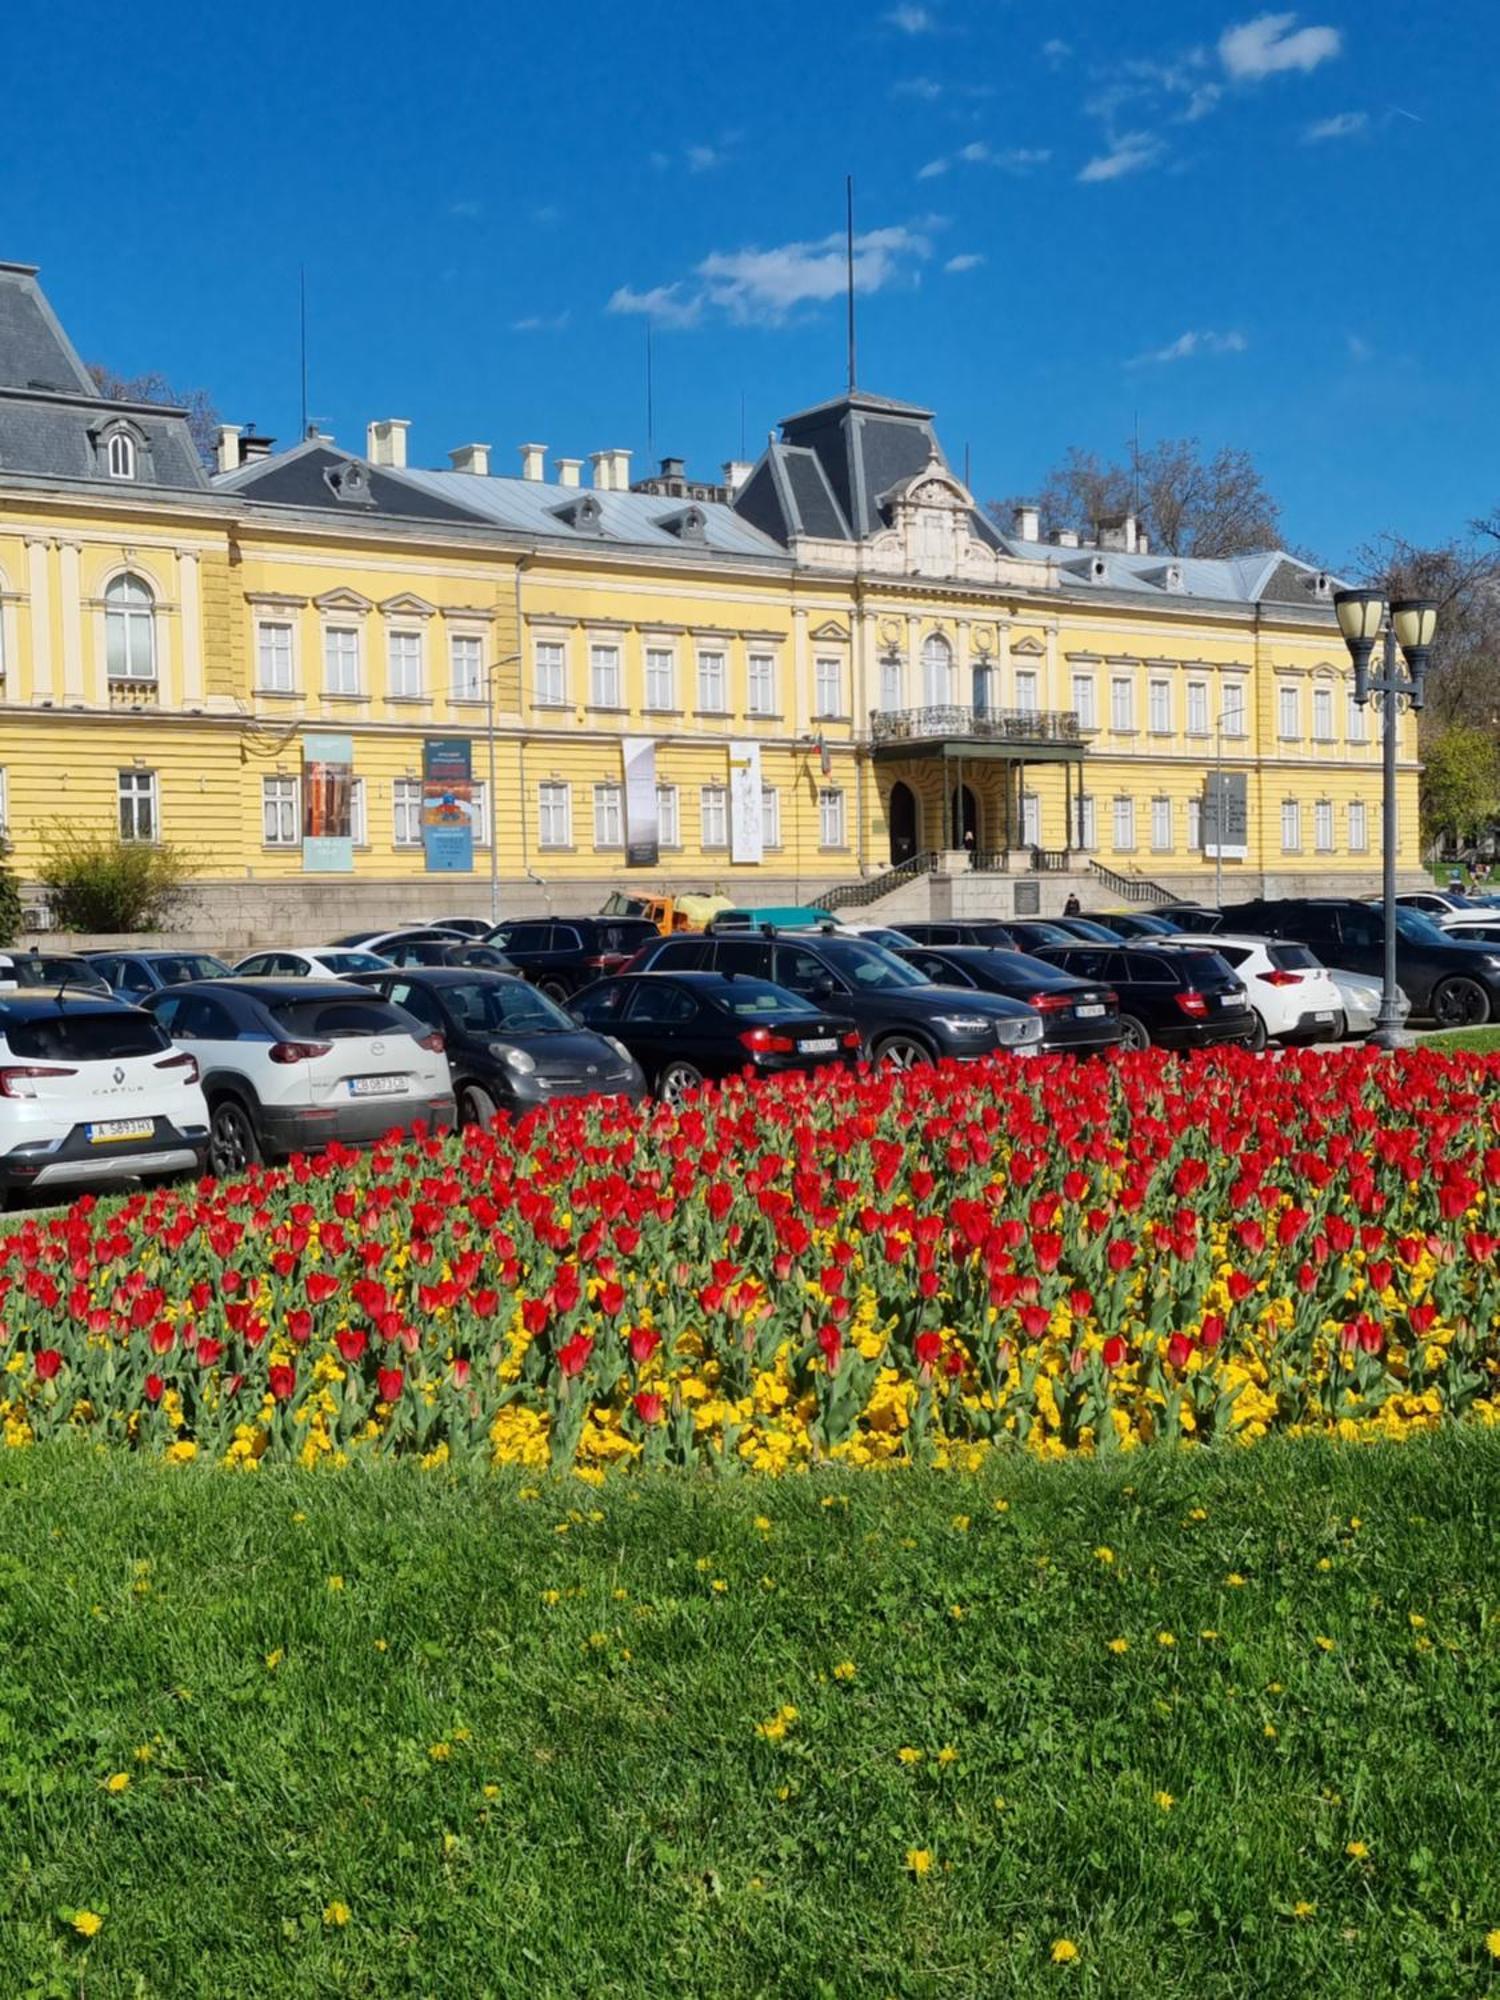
x=938, y=884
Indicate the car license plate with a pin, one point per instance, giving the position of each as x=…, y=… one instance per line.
x=823, y=1047
x=1325, y=1016
x=1232, y=1002
x=1090, y=1011
x=109, y=1131
x=376, y=1086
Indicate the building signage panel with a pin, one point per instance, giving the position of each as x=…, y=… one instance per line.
x=328, y=804
x=642, y=831
x=746, y=832
x=448, y=805
x=1226, y=804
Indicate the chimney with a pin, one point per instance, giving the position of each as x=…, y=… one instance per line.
x=568, y=470
x=1025, y=522
x=736, y=472
x=1142, y=544
x=253, y=445
x=1066, y=538
x=227, y=451
x=1117, y=531
x=385, y=441
x=619, y=471
x=533, y=461
x=603, y=463
x=471, y=458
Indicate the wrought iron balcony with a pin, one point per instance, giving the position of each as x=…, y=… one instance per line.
x=953, y=722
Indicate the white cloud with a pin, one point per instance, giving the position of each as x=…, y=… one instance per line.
x=932, y=169
x=1273, y=43
x=1057, y=51
x=1019, y=158
x=922, y=87
x=911, y=20
x=980, y=153
x=975, y=152
x=967, y=260
x=541, y=322
x=1130, y=153
x=1344, y=125
x=1186, y=345
x=754, y=287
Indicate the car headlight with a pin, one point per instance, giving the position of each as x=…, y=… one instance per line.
x=965, y=1024
x=620, y=1050
x=1015, y=1034
x=516, y=1059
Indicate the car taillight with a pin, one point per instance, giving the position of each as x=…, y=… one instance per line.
x=1280, y=978
x=1051, y=1003
x=17, y=1082
x=852, y=1040
x=761, y=1042
x=1192, y=1002
x=433, y=1043
x=295, y=1052
x=605, y=961
x=184, y=1062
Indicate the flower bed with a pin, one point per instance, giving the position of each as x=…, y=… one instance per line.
x=1039, y=1254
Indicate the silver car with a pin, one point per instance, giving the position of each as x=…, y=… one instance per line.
x=1359, y=995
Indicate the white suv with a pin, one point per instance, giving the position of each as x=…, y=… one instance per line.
x=92, y=1091
x=1293, y=995
x=291, y=1065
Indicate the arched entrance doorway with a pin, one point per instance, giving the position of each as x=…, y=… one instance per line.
x=901, y=816
x=963, y=819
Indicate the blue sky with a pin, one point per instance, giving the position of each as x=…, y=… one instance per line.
x=1269, y=229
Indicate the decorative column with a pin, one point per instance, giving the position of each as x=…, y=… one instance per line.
x=38, y=586
x=190, y=618
x=70, y=604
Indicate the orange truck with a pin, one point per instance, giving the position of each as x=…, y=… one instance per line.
x=670, y=914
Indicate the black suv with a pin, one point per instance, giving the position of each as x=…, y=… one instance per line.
x=903, y=1018
x=562, y=955
x=1452, y=982
x=1077, y=1017
x=1179, y=996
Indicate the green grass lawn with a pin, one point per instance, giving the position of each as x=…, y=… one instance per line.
x=513, y=1731
x=1483, y=1041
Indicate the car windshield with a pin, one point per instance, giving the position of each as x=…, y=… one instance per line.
x=1293, y=958
x=357, y=937
x=1041, y=933
x=1199, y=968
x=507, y=1006
x=189, y=965
x=337, y=1020
x=1085, y=927
x=869, y=967
x=1015, y=970
x=1419, y=929
x=340, y=962
x=86, y=1037
x=749, y=999
x=27, y=971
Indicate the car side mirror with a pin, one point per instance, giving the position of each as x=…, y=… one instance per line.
x=825, y=986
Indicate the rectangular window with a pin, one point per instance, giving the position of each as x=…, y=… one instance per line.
x=482, y=815
x=359, y=825
x=828, y=686
x=890, y=683
x=1288, y=714
x=713, y=684
x=661, y=678
x=607, y=822
x=1291, y=827
x=138, y=814
x=762, y=684
x=1323, y=826
x=713, y=816
x=1323, y=715
x=1358, y=720
x=341, y=659
x=1159, y=697
x=1088, y=831
x=466, y=658
x=550, y=674
x=1083, y=701
x=1195, y=825
x=1234, y=708
x=1124, y=825
x=1122, y=704
x=1031, y=820
x=404, y=665
x=406, y=812
x=554, y=815
x=1027, y=699
x=770, y=816
x=1359, y=833
x=1161, y=826
x=668, y=831
x=604, y=677
x=830, y=817
x=280, y=820
x=1197, y=708
x=273, y=653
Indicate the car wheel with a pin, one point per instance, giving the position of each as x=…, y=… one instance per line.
x=1133, y=1033
x=1258, y=1036
x=475, y=1106
x=1460, y=1003
x=1340, y=1028
x=902, y=1052
x=232, y=1142
x=677, y=1082
x=553, y=988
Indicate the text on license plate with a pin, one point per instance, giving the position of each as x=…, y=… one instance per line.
x=110, y=1130
x=1327, y=1016
x=1090, y=1011
x=1234, y=1001
x=376, y=1086
x=824, y=1047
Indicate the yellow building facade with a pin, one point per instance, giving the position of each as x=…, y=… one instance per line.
x=825, y=668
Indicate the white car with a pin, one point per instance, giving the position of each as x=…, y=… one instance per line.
x=1359, y=995
x=319, y=961
x=92, y=1091
x=1439, y=904
x=1293, y=997
x=293, y=1065
x=890, y=935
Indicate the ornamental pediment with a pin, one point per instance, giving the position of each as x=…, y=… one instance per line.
x=344, y=599
x=830, y=629
x=406, y=604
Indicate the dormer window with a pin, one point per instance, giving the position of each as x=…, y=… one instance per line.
x=120, y=455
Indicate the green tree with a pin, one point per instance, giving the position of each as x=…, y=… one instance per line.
x=1460, y=783
x=101, y=884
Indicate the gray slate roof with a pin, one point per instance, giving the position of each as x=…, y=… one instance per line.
x=35, y=353
x=1269, y=577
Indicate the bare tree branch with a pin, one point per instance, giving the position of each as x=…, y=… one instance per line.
x=202, y=414
x=1188, y=504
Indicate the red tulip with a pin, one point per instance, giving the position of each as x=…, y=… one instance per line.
x=283, y=1381
x=927, y=1347
x=644, y=1341
x=649, y=1406
x=1119, y=1254
x=299, y=1324
x=1115, y=1351
x=351, y=1344
x=155, y=1388
x=1179, y=1350
x=48, y=1361
x=320, y=1286
x=389, y=1382
x=573, y=1355
x=209, y=1352
x=831, y=1340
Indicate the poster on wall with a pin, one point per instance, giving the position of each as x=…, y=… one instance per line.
x=328, y=804
x=746, y=837
x=642, y=831
x=1226, y=805
x=448, y=805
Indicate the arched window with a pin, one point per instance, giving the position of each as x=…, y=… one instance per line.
x=937, y=672
x=120, y=455
x=129, y=630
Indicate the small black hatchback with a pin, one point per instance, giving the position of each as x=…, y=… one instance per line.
x=1175, y=995
x=562, y=955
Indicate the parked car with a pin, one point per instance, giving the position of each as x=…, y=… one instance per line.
x=1086, y=929
x=290, y=1065
x=686, y=910
x=1134, y=923
x=1027, y=933
x=685, y=1029
x=378, y=940
x=319, y=961
x=33, y=970
x=894, y=937
x=1359, y=998
x=1450, y=981
x=1179, y=996
x=469, y=927
x=1435, y=902
x=781, y=916
x=562, y=955
x=1193, y=917
x=1473, y=927
x=508, y=1046
x=903, y=1018
x=967, y=930
x=446, y=951
x=1077, y=1016
x=1291, y=994
x=92, y=1091
x=131, y=975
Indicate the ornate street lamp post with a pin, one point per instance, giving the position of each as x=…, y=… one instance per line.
x=1410, y=623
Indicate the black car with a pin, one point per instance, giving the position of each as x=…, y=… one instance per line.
x=1087, y=929
x=902, y=1017
x=1193, y=917
x=131, y=975
x=1179, y=996
x=37, y=969
x=415, y=951
x=562, y=955
x=1028, y=933
x=684, y=1029
x=1453, y=983
x=1077, y=1015
x=508, y=1046
x=1134, y=924
x=964, y=930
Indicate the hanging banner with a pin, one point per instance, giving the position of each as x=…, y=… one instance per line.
x=1226, y=816
x=642, y=830
x=448, y=806
x=746, y=839
x=328, y=804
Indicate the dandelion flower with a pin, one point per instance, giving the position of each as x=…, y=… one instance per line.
x=1002, y=1506
x=1492, y=1943
x=118, y=1781
x=274, y=1659
x=1064, y=1951
x=763, y=1522
x=1198, y=1514
x=1270, y=1732
x=1119, y=1645
x=1301, y=1910
x=440, y=1752
x=1234, y=1580
x=720, y=1585
x=919, y=1860
x=144, y=1753
x=335, y=1583
x=908, y=1755
x=336, y=1915
x=955, y=1611
x=1104, y=1555
x=1165, y=1800
x=1166, y=1639
x=1324, y=1644
x=1325, y=1563
x=87, y=1923
x=947, y=1755
x=1415, y=1620
x=1208, y=1634
x=845, y=1670
x=492, y=1791
x=961, y=1523
x=1357, y=1851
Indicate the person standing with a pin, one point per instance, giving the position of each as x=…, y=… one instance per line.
x=1072, y=908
